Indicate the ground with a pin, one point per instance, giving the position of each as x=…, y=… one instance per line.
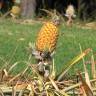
x=15, y=37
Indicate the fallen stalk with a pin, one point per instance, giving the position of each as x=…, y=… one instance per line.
x=76, y=85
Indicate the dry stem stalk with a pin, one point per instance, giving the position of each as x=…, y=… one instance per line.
x=76, y=85
x=1, y=92
x=85, y=70
x=20, y=74
x=93, y=66
x=75, y=60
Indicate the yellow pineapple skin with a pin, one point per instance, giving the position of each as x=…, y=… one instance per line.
x=47, y=37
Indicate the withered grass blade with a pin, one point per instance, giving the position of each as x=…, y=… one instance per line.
x=21, y=93
x=53, y=72
x=56, y=87
x=85, y=70
x=85, y=86
x=1, y=92
x=72, y=62
x=12, y=66
x=18, y=75
x=54, y=84
x=13, y=91
x=93, y=67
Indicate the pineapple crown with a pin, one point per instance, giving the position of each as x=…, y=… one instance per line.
x=56, y=20
x=55, y=16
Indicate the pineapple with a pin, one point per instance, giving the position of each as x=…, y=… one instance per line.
x=70, y=14
x=15, y=11
x=48, y=35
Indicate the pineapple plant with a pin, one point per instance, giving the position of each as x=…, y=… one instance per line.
x=46, y=44
x=47, y=37
x=15, y=11
x=70, y=14
x=70, y=11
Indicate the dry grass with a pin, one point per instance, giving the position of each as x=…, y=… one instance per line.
x=18, y=74
x=33, y=83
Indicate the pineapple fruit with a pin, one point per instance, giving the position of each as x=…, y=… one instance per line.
x=15, y=11
x=47, y=37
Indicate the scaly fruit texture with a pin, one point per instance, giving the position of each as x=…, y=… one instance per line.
x=47, y=37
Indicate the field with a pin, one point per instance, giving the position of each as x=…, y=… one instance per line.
x=15, y=37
